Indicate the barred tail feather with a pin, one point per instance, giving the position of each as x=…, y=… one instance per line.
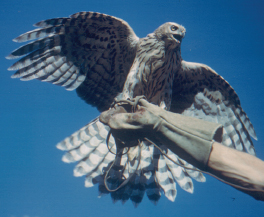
x=177, y=171
x=144, y=166
x=138, y=189
x=51, y=22
x=40, y=33
x=165, y=179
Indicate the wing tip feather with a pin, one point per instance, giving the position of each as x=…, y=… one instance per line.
x=61, y=146
x=39, y=24
x=20, y=38
x=15, y=76
x=67, y=158
x=16, y=39
x=253, y=134
x=10, y=57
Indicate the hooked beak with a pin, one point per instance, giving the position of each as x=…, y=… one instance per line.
x=178, y=37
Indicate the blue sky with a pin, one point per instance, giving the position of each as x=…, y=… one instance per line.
x=227, y=35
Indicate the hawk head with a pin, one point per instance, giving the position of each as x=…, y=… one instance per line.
x=171, y=33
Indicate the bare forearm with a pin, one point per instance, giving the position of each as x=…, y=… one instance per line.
x=237, y=167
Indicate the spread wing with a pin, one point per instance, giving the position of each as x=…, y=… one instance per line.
x=88, y=51
x=200, y=92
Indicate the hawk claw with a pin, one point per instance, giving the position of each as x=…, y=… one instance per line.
x=133, y=102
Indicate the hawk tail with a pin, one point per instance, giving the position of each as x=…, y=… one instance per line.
x=146, y=168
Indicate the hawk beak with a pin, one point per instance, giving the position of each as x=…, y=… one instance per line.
x=178, y=37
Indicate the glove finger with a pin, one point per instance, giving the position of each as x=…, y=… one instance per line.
x=142, y=119
x=151, y=107
x=106, y=115
x=126, y=121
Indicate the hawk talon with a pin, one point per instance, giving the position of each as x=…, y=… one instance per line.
x=133, y=102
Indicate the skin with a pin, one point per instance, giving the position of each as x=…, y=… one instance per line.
x=238, y=168
x=230, y=165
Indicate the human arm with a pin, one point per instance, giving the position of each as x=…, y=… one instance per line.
x=238, y=168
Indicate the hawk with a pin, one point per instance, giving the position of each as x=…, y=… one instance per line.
x=101, y=58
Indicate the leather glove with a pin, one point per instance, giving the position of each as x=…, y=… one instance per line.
x=189, y=138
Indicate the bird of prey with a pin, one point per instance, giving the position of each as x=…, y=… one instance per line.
x=101, y=58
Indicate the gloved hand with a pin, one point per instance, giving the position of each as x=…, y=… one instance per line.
x=129, y=127
x=188, y=137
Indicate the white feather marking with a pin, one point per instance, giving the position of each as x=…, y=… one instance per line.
x=66, y=75
x=76, y=83
x=94, y=142
x=72, y=78
x=102, y=131
x=90, y=163
x=92, y=131
x=84, y=136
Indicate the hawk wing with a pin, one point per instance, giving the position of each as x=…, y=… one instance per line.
x=200, y=92
x=88, y=51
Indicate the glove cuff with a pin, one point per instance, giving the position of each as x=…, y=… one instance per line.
x=189, y=138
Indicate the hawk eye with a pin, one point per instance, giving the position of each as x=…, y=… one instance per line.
x=174, y=28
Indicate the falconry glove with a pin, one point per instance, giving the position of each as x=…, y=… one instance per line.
x=188, y=137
